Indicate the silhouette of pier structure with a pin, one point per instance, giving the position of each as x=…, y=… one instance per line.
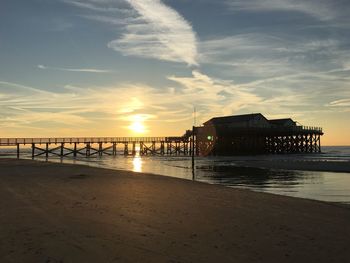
x=98, y=146
x=255, y=134
x=229, y=135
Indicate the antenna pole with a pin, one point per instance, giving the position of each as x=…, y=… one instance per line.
x=192, y=146
x=194, y=116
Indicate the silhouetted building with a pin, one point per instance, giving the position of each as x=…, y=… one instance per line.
x=255, y=134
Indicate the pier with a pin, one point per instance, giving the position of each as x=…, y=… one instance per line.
x=219, y=136
x=99, y=146
x=206, y=142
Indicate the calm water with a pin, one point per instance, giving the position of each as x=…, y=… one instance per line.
x=326, y=186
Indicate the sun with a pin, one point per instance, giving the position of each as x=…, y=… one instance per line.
x=137, y=124
x=137, y=127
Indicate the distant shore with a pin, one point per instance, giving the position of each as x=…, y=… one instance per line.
x=69, y=213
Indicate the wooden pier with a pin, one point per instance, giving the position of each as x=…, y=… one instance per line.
x=99, y=146
x=204, y=143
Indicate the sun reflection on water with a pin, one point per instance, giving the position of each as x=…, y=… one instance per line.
x=137, y=164
x=137, y=161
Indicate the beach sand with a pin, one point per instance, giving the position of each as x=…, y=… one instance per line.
x=69, y=213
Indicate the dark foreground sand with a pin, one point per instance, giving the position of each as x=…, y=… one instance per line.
x=65, y=213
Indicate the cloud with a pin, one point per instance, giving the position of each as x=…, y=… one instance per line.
x=98, y=6
x=86, y=70
x=164, y=34
x=319, y=9
x=293, y=75
x=214, y=97
x=340, y=103
x=109, y=110
x=150, y=29
x=92, y=107
x=258, y=56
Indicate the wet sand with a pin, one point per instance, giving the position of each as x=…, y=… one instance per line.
x=69, y=213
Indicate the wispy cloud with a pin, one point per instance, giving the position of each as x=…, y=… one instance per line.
x=104, y=110
x=320, y=9
x=258, y=55
x=150, y=29
x=86, y=70
x=163, y=34
x=298, y=75
x=90, y=107
x=214, y=97
x=340, y=103
x=105, y=6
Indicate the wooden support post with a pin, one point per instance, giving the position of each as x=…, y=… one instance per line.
x=47, y=151
x=126, y=149
x=114, y=148
x=319, y=143
x=190, y=147
x=306, y=143
x=134, y=148
x=299, y=143
x=162, y=148
x=141, y=148
x=88, y=149
x=153, y=147
x=75, y=150
x=17, y=150
x=100, y=150
x=168, y=148
x=33, y=150
x=62, y=148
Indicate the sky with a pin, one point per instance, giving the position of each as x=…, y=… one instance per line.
x=139, y=67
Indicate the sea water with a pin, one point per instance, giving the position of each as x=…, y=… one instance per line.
x=226, y=171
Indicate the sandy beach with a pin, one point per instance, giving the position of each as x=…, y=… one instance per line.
x=69, y=213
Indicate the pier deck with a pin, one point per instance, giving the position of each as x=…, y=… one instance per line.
x=89, y=146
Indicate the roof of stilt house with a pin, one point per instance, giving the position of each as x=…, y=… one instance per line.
x=234, y=118
x=280, y=121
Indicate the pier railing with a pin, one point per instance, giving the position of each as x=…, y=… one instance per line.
x=15, y=141
x=297, y=129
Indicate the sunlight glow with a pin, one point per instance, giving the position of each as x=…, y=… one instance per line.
x=137, y=124
x=137, y=127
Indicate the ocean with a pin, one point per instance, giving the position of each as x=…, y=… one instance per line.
x=226, y=171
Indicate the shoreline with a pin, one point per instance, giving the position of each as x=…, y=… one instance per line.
x=341, y=204
x=344, y=205
x=54, y=212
